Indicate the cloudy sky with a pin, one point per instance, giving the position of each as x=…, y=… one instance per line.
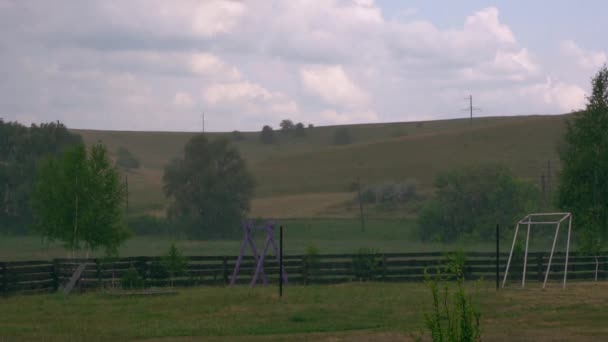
x=157, y=64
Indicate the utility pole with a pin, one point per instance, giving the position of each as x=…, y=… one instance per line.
x=127, y=192
x=549, y=174
x=470, y=109
x=360, y=204
x=203, y=117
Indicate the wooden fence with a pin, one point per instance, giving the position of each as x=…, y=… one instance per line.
x=25, y=277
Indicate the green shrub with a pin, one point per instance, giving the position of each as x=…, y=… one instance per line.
x=367, y=264
x=131, y=279
x=454, y=317
x=158, y=271
x=470, y=202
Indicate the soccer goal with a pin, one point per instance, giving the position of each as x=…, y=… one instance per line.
x=541, y=219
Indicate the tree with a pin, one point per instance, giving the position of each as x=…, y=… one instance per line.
x=237, y=136
x=209, y=188
x=286, y=125
x=21, y=149
x=78, y=199
x=469, y=202
x=126, y=160
x=342, y=136
x=311, y=126
x=583, y=182
x=300, y=131
x=267, y=135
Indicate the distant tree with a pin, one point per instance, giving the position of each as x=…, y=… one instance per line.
x=469, y=203
x=209, y=188
x=267, y=135
x=583, y=182
x=21, y=149
x=78, y=200
x=126, y=160
x=237, y=136
x=311, y=126
x=286, y=125
x=342, y=136
x=300, y=131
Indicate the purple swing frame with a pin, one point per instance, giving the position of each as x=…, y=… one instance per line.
x=248, y=228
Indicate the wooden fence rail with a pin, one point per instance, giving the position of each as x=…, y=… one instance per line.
x=26, y=277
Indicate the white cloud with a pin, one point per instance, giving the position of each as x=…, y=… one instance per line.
x=249, y=97
x=486, y=22
x=333, y=86
x=334, y=117
x=146, y=64
x=584, y=58
x=206, y=64
x=566, y=97
x=183, y=99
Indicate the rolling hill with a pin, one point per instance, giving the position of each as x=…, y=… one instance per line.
x=310, y=177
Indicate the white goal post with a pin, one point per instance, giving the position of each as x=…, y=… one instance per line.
x=545, y=219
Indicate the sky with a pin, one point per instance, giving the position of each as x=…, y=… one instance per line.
x=158, y=65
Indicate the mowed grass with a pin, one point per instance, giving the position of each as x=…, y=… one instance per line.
x=379, y=153
x=346, y=312
x=327, y=235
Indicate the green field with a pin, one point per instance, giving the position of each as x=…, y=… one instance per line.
x=328, y=235
x=348, y=312
x=310, y=177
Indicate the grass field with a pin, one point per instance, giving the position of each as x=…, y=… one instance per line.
x=348, y=312
x=329, y=236
x=310, y=177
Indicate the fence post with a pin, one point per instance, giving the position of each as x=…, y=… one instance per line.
x=304, y=270
x=225, y=270
x=98, y=273
x=539, y=265
x=384, y=269
x=55, y=275
x=4, y=280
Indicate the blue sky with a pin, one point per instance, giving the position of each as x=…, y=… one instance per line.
x=157, y=65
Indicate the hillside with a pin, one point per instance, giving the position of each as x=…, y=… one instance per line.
x=310, y=177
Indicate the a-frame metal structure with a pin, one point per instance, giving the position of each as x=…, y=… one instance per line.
x=249, y=228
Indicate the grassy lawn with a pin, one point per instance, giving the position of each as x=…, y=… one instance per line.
x=327, y=235
x=348, y=312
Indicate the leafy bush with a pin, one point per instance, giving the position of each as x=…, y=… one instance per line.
x=131, y=279
x=470, y=202
x=158, y=271
x=367, y=264
x=454, y=316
